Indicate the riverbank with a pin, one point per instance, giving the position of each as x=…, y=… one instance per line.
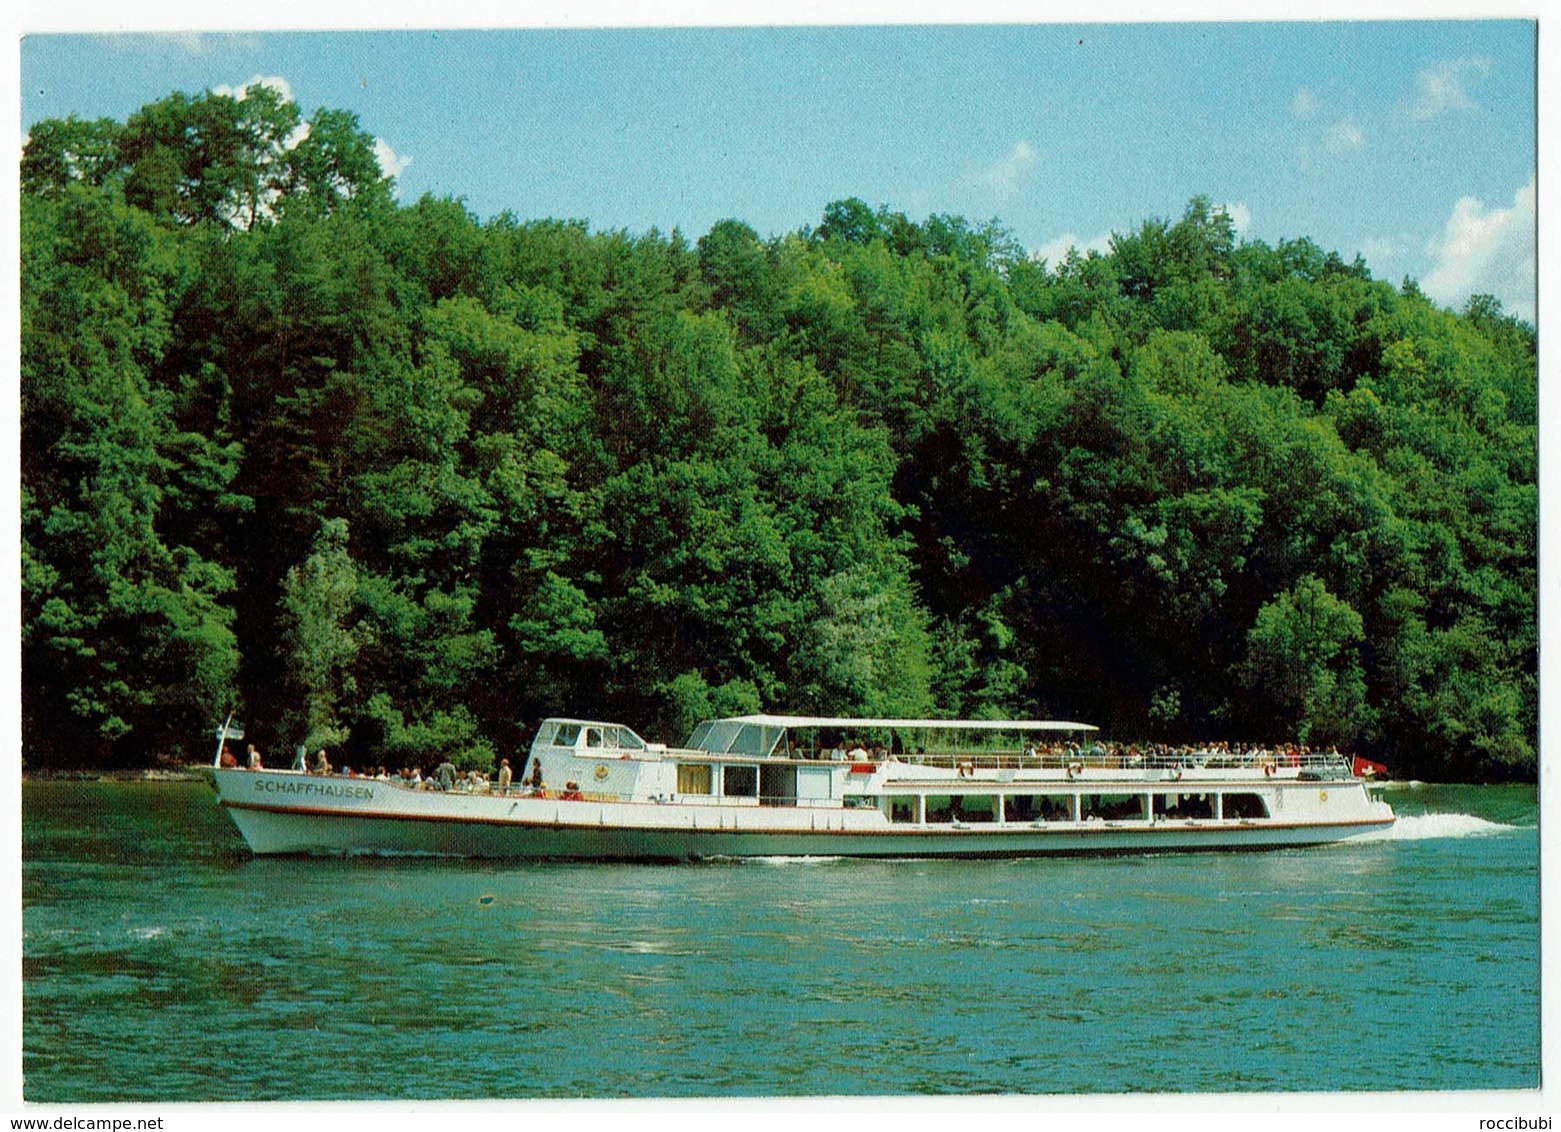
x=190, y=772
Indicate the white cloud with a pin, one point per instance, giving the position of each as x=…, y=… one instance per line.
x=275, y=82
x=1444, y=86
x=1490, y=252
x=1379, y=249
x=1055, y=251
x=1344, y=136
x=391, y=164
x=1009, y=175
x=1305, y=103
x=1240, y=215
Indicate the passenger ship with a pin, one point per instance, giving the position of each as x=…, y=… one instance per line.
x=759, y=785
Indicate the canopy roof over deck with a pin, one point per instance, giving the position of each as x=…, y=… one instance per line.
x=758, y=736
x=912, y=724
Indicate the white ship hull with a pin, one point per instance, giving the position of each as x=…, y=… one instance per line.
x=289, y=812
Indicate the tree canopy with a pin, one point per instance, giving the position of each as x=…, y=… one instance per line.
x=399, y=480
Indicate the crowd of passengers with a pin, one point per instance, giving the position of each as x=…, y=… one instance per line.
x=1097, y=753
x=1101, y=752
x=442, y=777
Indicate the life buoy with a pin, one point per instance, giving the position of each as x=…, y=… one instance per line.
x=1075, y=769
x=1268, y=770
x=1176, y=774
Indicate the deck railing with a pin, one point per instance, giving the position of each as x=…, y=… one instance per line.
x=1326, y=761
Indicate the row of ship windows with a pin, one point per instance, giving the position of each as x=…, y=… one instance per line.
x=1060, y=807
x=743, y=782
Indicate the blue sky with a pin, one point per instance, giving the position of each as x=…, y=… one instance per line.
x=1409, y=142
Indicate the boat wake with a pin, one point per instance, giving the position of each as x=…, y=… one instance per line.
x=1424, y=827
x=787, y=860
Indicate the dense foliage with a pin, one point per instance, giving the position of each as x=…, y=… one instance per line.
x=393, y=479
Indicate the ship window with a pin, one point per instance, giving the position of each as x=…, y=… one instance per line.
x=975, y=807
x=566, y=735
x=718, y=740
x=740, y=781
x=693, y=778
x=1244, y=806
x=1184, y=805
x=623, y=739
x=593, y=736
x=1111, y=807
x=961, y=807
x=1038, y=807
x=696, y=741
x=940, y=808
x=902, y=810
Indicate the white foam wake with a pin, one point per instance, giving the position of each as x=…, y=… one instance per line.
x=1424, y=827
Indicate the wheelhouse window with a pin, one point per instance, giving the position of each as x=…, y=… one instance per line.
x=623, y=739
x=1244, y=806
x=567, y=735
x=1111, y=807
x=693, y=778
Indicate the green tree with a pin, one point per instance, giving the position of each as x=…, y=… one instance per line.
x=1301, y=657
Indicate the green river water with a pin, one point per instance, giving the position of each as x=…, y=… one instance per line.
x=161, y=961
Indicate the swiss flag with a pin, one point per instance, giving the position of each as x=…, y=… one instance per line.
x=1365, y=768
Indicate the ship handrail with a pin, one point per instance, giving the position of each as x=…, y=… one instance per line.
x=1098, y=760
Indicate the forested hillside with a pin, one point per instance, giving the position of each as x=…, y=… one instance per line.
x=399, y=481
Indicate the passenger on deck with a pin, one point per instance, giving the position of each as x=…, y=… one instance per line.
x=504, y=776
x=322, y=764
x=227, y=759
x=446, y=773
x=535, y=781
x=254, y=758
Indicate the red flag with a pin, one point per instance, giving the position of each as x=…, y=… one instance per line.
x=1365, y=768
